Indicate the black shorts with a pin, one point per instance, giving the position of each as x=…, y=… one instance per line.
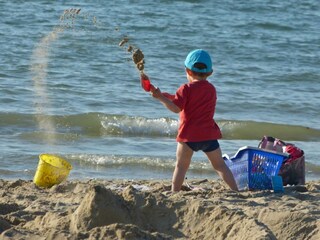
x=205, y=146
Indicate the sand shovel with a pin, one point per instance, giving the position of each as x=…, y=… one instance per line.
x=145, y=83
x=147, y=86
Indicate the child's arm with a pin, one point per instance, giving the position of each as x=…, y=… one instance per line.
x=156, y=93
x=168, y=95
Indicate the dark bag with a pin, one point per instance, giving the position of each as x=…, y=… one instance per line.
x=292, y=169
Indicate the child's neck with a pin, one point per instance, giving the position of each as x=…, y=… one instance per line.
x=198, y=79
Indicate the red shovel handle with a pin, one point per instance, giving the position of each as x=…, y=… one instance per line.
x=145, y=83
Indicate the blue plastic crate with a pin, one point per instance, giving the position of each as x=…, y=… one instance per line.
x=254, y=167
x=239, y=168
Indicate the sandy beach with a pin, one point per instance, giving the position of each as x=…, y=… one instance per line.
x=101, y=209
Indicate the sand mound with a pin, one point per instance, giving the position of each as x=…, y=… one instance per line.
x=146, y=210
x=99, y=207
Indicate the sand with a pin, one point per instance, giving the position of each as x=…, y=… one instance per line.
x=101, y=209
x=136, y=54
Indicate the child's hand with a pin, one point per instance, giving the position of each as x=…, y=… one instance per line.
x=156, y=92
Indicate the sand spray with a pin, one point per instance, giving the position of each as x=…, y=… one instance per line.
x=40, y=60
x=39, y=67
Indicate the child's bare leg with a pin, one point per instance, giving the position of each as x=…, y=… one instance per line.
x=222, y=169
x=184, y=154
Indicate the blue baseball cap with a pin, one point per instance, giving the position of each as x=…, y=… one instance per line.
x=198, y=56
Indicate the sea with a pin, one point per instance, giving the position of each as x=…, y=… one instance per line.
x=68, y=88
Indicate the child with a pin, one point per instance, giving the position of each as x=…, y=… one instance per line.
x=195, y=101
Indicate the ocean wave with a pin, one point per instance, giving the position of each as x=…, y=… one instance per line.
x=153, y=163
x=101, y=124
x=274, y=26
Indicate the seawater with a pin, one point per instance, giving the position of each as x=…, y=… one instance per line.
x=67, y=87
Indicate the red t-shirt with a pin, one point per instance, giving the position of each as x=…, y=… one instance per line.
x=197, y=101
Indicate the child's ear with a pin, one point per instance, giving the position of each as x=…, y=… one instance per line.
x=189, y=72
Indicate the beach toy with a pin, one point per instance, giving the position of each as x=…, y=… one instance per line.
x=254, y=168
x=277, y=184
x=145, y=83
x=51, y=170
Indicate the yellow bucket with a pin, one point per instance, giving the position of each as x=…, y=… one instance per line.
x=51, y=170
